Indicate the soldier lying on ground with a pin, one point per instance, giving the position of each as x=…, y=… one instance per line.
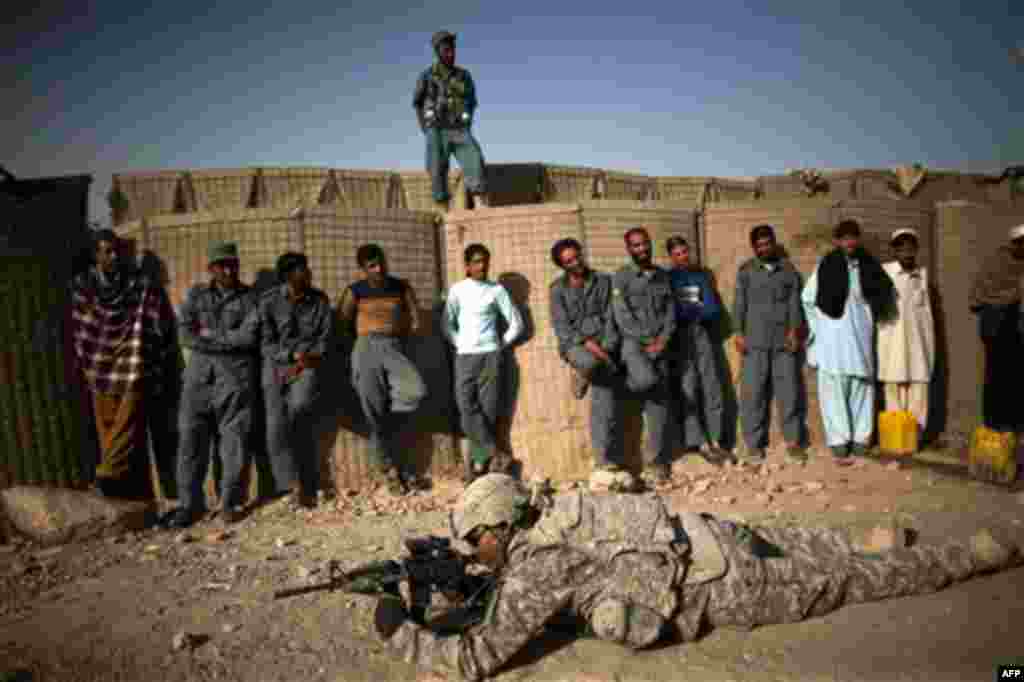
x=635, y=573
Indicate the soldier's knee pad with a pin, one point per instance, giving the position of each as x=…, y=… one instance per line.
x=635, y=626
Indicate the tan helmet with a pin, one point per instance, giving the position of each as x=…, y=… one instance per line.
x=488, y=501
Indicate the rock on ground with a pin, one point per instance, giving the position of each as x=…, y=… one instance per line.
x=56, y=515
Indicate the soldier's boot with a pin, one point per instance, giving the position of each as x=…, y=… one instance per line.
x=989, y=553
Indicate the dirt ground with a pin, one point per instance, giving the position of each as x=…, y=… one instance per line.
x=111, y=609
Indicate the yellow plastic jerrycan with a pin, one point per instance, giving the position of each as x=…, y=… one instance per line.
x=897, y=432
x=993, y=456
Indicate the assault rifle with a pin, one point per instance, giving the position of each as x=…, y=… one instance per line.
x=432, y=566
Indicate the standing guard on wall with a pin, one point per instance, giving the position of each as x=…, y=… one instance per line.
x=996, y=298
x=217, y=323
x=848, y=292
x=295, y=326
x=381, y=311
x=471, y=316
x=698, y=307
x=581, y=319
x=644, y=314
x=768, y=322
x=445, y=102
x=123, y=331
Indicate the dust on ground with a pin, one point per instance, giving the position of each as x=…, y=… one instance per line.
x=163, y=605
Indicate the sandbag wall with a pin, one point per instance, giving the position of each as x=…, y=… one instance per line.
x=804, y=229
x=45, y=435
x=546, y=428
x=176, y=246
x=967, y=234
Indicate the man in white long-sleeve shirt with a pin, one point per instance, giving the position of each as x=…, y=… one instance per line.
x=471, y=316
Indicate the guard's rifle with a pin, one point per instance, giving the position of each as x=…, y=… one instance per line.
x=432, y=566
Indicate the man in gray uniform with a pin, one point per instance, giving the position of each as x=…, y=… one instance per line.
x=644, y=314
x=632, y=573
x=219, y=384
x=580, y=315
x=769, y=321
x=380, y=311
x=295, y=326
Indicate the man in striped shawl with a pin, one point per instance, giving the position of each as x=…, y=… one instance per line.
x=123, y=331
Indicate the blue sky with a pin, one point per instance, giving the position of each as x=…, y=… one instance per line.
x=728, y=87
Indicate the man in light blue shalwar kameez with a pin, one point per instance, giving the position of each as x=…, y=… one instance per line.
x=841, y=301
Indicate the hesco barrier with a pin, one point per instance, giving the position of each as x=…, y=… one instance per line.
x=803, y=228
x=329, y=237
x=546, y=428
x=967, y=234
x=44, y=429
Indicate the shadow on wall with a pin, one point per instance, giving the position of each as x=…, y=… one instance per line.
x=519, y=288
x=938, y=390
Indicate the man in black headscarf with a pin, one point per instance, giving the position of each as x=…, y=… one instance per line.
x=848, y=292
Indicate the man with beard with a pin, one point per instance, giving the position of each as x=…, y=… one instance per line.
x=380, y=311
x=581, y=319
x=768, y=321
x=644, y=314
x=295, y=325
x=626, y=570
x=445, y=101
x=471, y=313
x=123, y=331
x=847, y=293
x=697, y=308
x=996, y=298
x=906, y=343
x=217, y=324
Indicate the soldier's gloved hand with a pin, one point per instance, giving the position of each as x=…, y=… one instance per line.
x=389, y=616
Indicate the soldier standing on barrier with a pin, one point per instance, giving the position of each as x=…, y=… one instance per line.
x=295, y=326
x=471, y=315
x=445, y=102
x=581, y=318
x=768, y=318
x=644, y=314
x=381, y=311
x=633, y=573
x=217, y=323
x=697, y=308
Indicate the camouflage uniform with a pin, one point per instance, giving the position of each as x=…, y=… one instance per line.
x=632, y=571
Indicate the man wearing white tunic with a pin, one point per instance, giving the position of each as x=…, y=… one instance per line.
x=906, y=343
x=842, y=299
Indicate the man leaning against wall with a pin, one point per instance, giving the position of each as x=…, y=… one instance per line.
x=217, y=324
x=123, y=333
x=580, y=301
x=769, y=322
x=996, y=299
x=644, y=315
x=295, y=327
x=380, y=312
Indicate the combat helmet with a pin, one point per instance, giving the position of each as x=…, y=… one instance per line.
x=488, y=501
x=441, y=37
